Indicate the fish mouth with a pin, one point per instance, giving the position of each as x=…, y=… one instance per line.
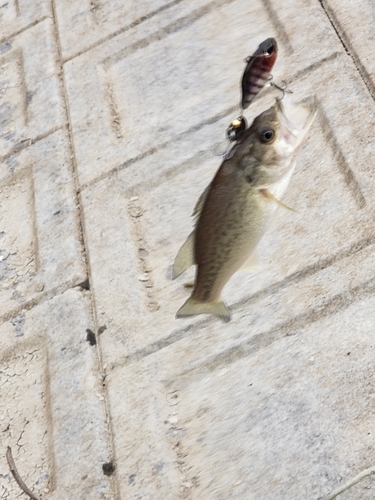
x=297, y=118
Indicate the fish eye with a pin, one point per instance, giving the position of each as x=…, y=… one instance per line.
x=266, y=134
x=269, y=51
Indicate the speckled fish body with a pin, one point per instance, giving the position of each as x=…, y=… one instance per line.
x=238, y=206
x=258, y=70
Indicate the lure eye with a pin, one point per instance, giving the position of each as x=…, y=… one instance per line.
x=269, y=51
x=266, y=135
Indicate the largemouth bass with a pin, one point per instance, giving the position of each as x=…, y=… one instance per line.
x=236, y=209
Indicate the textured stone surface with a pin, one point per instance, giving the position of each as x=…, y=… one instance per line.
x=30, y=104
x=148, y=92
x=103, y=394
x=332, y=192
x=84, y=24
x=277, y=421
x=18, y=15
x=347, y=16
x=40, y=248
x=52, y=412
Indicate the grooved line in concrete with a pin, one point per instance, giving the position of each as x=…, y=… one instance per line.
x=149, y=152
x=106, y=75
x=27, y=173
x=23, y=88
x=209, y=121
x=279, y=27
x=110, y=442
x=349, y=49
x=17, y=7
x=134, y=213
x=313, y=66
x=43, y=297
x=28, y=142
x=167, y=30
x=308, y=317
x=289, y=328
x=124, y=29
x=34, y=222
x=30, y=346
x=16, y=33
x=50, y=434
x=340, y=160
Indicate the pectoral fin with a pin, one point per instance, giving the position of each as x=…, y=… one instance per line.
x=185, y=257
x=269, y=196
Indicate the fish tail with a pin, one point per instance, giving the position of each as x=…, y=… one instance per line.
x=193, y=307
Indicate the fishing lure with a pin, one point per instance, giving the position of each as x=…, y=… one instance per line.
x=236, y=128
x=258, y=70
x=257, y=75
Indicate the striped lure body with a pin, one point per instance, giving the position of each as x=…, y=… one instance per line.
x=257, y=71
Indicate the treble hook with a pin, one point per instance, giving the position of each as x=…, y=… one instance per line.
x=284, y=89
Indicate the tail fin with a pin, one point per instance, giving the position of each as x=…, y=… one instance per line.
x=192, y=308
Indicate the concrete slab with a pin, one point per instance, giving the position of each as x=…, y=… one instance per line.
x=52, y=412
x=30, y=101
x=275, y=422
x=145, y=87
x=347, y=16
x=18, y=15
x=279, y=403
x=86, y=24
x=259, y=408
x=40, y=247
x=331, y=190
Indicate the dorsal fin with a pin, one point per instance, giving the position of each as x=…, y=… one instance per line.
x=199, y=205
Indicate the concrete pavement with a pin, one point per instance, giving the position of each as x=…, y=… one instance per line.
x=109, y=116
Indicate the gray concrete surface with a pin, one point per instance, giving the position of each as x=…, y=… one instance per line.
x=109, y=113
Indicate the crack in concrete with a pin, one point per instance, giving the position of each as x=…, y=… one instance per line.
x=348, y=47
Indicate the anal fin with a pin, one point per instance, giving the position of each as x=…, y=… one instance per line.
x=185, y=257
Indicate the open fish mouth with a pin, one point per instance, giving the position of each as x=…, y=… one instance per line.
x=296, y=118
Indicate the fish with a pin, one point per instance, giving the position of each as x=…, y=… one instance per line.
x=236, y=209
x=258, y=70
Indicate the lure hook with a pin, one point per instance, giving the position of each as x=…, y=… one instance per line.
x=283, y=88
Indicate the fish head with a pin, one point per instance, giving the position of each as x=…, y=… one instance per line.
x=268, y=148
